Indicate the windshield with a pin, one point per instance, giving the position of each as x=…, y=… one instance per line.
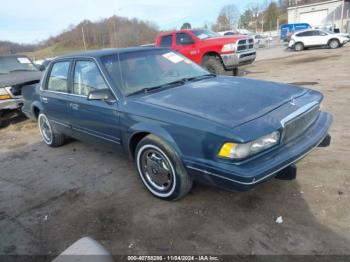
x=148, y=69
x=9, y=64
x=328, y=32
x=204, y=33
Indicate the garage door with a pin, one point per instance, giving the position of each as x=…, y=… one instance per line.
x=315, y=18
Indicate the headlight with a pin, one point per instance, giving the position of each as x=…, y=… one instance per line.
x=228, y=48
x=4, y=94
x=239, y=151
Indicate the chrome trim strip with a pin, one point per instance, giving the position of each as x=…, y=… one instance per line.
x=259, y=180
x=297, y=112
x=83, y=131
x=60, y=123
x=91, y=134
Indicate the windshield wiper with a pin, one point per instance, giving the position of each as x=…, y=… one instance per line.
x=195, y=78
x=148, y=89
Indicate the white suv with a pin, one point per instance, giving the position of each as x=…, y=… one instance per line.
x=315, y=37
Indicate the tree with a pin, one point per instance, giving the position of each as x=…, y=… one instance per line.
x=186, y=26
x=227, y=19
x=246, y=19
x=270, y=17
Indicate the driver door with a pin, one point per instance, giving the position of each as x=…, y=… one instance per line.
x=185, y=45
x=92, y=119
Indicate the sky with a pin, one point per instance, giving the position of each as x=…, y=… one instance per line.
x=29, y=21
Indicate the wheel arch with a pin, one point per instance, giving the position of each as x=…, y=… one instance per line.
x=211, y=54
x=333, y=38
x=139, y=131
x=36, y=109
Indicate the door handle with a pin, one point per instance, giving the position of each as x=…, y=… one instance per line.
x=44, y=99
x=74, y=106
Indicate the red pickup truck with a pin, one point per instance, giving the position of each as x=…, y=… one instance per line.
x=214, y=52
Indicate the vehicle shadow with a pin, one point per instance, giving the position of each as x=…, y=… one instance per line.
x=52, y=197
x=15, y=120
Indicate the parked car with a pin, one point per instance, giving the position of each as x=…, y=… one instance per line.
x=316, y=38
x=16, y=71
x=178, y=122
x=214, y=52
x=287, y=30
x=43, y=63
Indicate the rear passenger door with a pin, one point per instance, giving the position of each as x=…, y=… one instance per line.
x=92, y=119
x=54, y=94
x=307, y=38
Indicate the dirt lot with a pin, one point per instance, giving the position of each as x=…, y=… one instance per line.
x=52, y=197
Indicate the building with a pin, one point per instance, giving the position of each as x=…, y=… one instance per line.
x=335, y=13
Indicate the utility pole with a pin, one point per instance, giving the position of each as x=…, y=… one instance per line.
x=82, y=31
x=342, y=16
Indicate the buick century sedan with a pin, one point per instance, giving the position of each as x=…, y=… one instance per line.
x=178, y=122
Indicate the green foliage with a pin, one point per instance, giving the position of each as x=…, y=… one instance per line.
x=246, y=18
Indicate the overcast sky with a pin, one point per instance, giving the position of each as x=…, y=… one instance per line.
x=28, y=21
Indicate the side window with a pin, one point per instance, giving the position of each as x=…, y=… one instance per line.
x=87, y=77
x=308, y=33
x=316, y=33
x=58, y=77
x=183, y=39
x=166, y=41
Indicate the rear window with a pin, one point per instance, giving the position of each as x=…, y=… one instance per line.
x=165, y=41
x=10, y=64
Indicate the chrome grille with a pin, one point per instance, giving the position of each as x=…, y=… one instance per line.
x=300, y=124
x=245, y=44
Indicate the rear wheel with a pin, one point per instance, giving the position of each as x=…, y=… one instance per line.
x=299, y=47
x=334, y=43
x=213, y=65
x=161, y=170
x=50, y=137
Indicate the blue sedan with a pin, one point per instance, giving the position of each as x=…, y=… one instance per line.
x=177, y=121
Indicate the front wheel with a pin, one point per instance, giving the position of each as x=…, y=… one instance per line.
x=213, y=65
x=334, y=44
x=50, y=137
x=161, y=170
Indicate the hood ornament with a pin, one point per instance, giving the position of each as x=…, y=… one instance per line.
x=292, y=101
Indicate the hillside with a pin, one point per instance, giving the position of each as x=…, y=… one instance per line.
x=111, y=32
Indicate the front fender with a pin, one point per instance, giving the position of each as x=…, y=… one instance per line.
x=150, y=128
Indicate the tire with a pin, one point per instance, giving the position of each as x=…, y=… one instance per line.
x=49, y=136
x=213, y=65
x=299, y=47
x=333, y=44
x=161, y=169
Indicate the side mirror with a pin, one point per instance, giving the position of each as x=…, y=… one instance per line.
x=42, y=68
x=101, y=94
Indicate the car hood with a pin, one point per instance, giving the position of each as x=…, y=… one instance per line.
x=228, y=101
x=19, y=78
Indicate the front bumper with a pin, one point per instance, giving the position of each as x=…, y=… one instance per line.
x=235, y=60
x=245, y=176
x=11, y=104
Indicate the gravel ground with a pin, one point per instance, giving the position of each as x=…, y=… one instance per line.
x=52, y=197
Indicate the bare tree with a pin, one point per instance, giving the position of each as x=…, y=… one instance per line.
x=227, y=19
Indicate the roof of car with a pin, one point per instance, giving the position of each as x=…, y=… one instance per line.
x=109, y=51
